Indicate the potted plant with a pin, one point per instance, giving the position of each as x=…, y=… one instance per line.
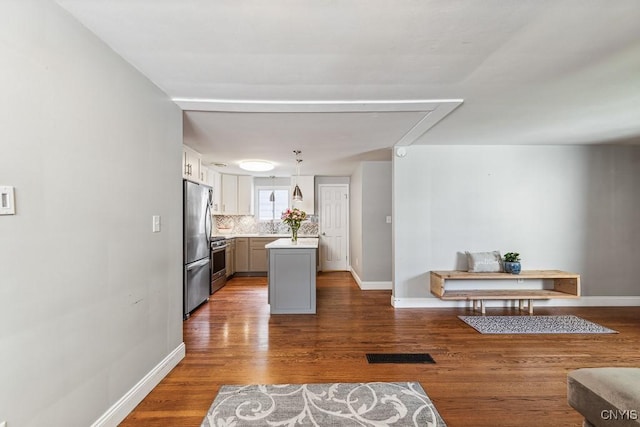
x=293, y=218
x=512, y=263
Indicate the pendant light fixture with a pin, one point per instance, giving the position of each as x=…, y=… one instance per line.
x=272, y=199
x=297, y=194
x=272, y=196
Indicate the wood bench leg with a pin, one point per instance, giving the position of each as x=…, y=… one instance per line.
x=482, y=310
x=530, y=306
x=521, y=304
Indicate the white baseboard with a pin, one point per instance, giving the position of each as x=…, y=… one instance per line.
x=371, y=286
x=119, y=411
x=596, y=301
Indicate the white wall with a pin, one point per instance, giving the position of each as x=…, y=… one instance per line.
x=571, y=208
x=90, y=299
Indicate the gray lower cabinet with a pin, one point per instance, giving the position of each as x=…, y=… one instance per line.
x=230, y=254
x=258, y=254
x=248, y=256
x=292, y=281
x=242, y=255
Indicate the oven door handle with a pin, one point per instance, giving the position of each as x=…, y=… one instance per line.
x=219, y=248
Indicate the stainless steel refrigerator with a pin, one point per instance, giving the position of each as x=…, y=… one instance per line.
x=197, y=200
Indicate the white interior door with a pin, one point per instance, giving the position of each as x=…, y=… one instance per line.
x=334, y=229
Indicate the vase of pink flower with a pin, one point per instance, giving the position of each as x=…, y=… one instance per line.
x=293, y=218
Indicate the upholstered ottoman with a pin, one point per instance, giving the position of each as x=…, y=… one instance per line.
x=606, y=396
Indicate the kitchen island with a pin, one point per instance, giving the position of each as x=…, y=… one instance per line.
x=292, y=275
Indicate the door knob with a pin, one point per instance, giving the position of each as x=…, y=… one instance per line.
x=324, y=234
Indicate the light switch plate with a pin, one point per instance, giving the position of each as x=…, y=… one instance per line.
x=156, y=223
x=388, y=219
x=7, y=203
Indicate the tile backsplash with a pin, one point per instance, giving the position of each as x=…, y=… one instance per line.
x=247, y=224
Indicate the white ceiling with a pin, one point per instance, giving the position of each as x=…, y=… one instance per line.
x=344, y=81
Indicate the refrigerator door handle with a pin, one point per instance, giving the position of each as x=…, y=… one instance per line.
x=207, y=220
x=196, y=264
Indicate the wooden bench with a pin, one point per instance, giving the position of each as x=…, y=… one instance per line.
x=565, y=285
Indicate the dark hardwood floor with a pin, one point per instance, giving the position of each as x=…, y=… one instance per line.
x=478, y=380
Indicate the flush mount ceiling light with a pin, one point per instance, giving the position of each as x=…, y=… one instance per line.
x=256, y=165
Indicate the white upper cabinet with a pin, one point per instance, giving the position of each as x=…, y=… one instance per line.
x=193, y=169
x=307, y=186
x=190, y=164
x=206, y=175
x=229, y=195
x=216, y=179
x=237, y=195
x=245, y=195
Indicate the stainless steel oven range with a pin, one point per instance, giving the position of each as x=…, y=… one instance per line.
x=218, y=263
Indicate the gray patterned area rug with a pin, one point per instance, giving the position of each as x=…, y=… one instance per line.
x=534, y=325
x=335, y=404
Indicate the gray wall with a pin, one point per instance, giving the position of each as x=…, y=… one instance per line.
x=90, y=298
x=268, y=182
x=320, y=179
x=355, y=222
x=572, y=208
x=371, y=244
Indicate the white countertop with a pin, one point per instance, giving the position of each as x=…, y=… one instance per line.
x=286, y=243
x=274, y=236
